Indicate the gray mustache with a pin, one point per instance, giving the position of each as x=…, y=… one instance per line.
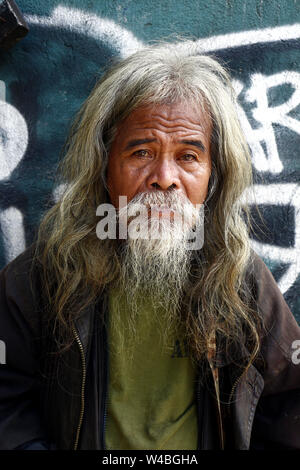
x=163, y=200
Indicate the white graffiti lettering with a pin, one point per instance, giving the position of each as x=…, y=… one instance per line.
x=283, y=194
x=91, y=25
x=13, y=145
x=267, y=115
x=107, y=30
x=249, y=38
x=13, y=137
x=58, y=192
x=12, y=227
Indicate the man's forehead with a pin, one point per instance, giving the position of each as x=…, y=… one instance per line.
x=168, y=117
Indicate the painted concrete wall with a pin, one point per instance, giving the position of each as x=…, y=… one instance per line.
x=45, y=78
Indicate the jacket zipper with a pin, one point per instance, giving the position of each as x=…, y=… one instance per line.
x=233, y=388
x=82, y=387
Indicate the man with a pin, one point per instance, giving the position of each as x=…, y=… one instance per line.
x=123, y=333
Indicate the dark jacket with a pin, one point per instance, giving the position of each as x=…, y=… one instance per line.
x=60, y=400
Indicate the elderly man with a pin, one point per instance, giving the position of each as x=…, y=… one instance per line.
x=120, y=331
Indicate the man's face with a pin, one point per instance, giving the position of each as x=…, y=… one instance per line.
x=161, y=147
x=160, y=157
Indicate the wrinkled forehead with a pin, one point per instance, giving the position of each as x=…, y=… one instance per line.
x=168, y=117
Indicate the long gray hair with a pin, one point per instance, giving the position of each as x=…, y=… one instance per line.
x=77, y=265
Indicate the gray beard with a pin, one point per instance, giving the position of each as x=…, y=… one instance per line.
x=157, y=270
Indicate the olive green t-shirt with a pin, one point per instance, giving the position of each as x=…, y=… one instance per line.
x=151, y=393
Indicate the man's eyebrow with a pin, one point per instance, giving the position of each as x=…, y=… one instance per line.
x=136, y=142
x=196, y=143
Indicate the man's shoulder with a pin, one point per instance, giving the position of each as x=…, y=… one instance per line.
x=20, y=296
x=21, y=266
x=270, y=301
x=256, y=263
x=260, y=276
x=19, y=278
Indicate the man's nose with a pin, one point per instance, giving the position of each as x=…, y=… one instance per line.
x=164, y=176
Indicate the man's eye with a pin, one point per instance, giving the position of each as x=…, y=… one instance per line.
x=188, y=157
x=141, y=153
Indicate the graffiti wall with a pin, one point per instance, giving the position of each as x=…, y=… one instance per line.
x=46, y=76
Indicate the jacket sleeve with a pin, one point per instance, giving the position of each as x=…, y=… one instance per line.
x=277, y=419
x=20, y=423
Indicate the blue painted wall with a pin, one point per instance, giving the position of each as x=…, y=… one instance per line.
x=46, y=76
